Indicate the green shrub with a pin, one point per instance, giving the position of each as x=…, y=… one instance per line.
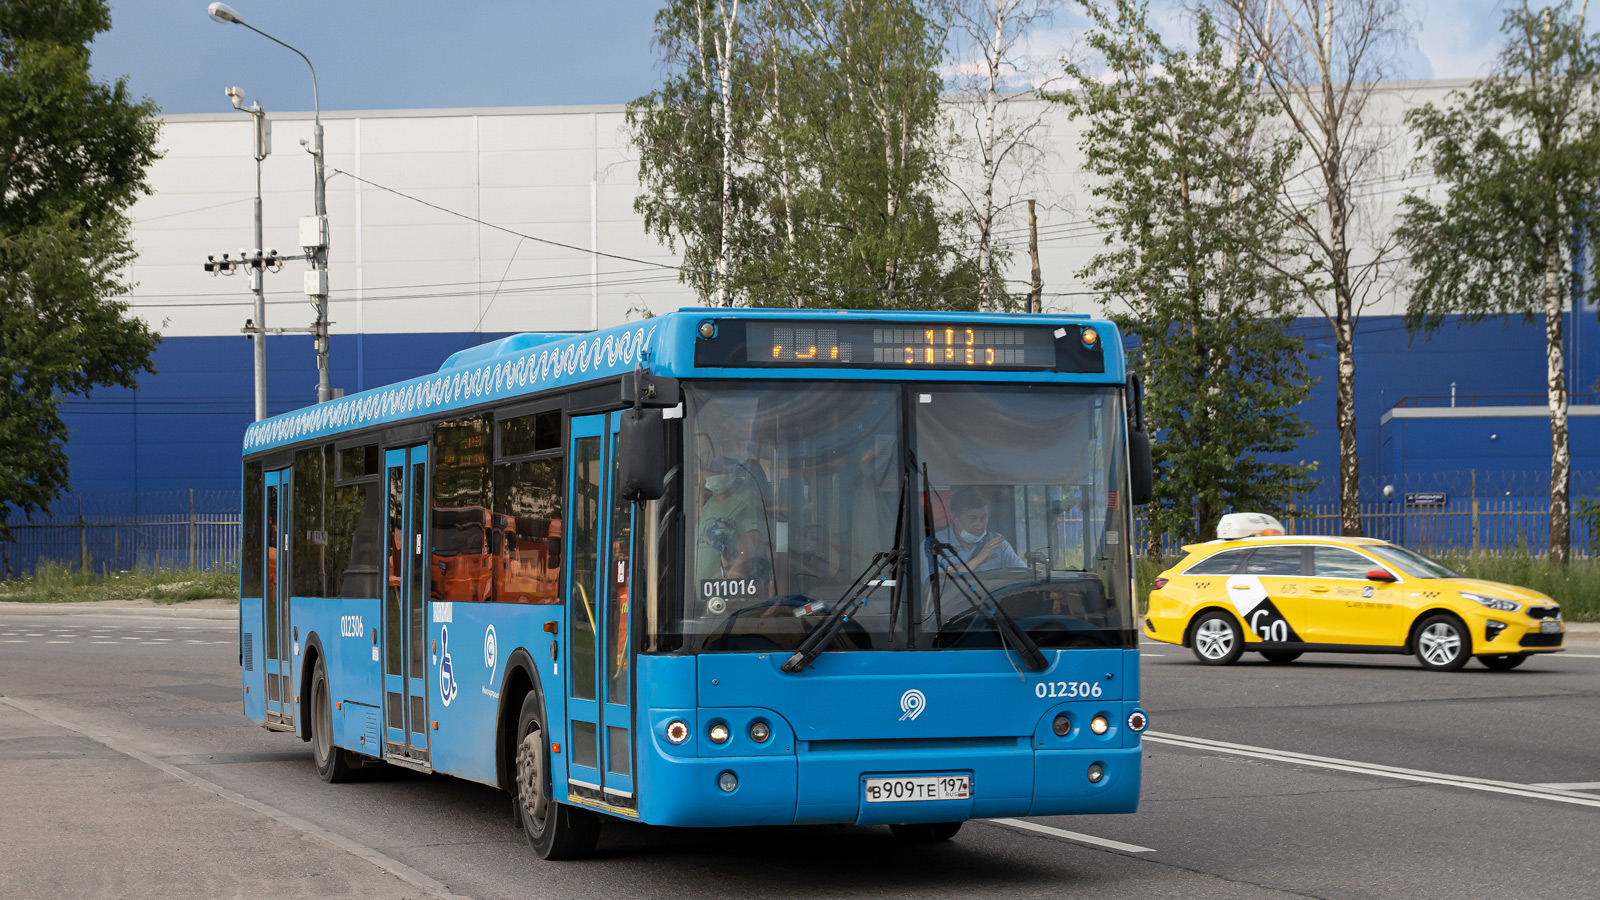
x=1576, y=587
x=58, y=583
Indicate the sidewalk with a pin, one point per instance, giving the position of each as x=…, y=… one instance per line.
x=83, y=820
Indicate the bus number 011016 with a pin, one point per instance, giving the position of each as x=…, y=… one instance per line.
x=1068, y=689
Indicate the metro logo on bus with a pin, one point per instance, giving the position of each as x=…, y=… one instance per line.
x=912, y=703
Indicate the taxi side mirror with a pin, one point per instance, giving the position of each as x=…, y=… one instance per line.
x=1380, y=575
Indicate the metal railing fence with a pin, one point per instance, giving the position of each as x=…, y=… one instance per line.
x=120, y=532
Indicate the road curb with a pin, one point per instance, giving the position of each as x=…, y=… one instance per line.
x=73, y=609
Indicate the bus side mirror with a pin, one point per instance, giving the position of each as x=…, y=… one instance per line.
x=1144, y=476
x=642, y=455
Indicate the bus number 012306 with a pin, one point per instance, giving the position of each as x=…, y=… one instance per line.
x=1068, y=689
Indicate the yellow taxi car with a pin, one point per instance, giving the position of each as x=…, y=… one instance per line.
x=1282, y=596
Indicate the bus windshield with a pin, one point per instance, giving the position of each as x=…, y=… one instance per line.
x=794, y=489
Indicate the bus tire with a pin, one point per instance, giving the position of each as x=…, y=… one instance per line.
x=554, y=830
x=925, y=832
x=333, y=761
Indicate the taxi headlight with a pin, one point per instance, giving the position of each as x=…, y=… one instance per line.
x=1499, y=603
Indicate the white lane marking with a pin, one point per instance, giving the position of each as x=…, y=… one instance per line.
x=1532, y=791
x=104, y=642
x=133, y=639
x=13, y=642
x=1152, y=654
x=387, y=863
x=58, y=642
x=1576, y=655
x=1072, y=836
x=1572, y=785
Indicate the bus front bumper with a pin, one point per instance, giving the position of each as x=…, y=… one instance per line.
x=826, y=784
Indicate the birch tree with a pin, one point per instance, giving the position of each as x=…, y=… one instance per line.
x=691, y=133
x=998, y=122
x=1322, y=62
x=1518, y=158
x=1186, y=191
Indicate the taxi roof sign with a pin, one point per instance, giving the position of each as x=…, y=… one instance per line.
x=1242, y=525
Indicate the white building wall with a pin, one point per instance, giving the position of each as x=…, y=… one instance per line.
x=560, y=174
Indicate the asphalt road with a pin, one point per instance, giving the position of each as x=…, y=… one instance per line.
x=126, y=770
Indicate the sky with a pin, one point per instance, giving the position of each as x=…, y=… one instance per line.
x=408, y=54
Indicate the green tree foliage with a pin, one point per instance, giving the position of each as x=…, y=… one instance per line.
x=792, y=149
x=1518, y=158
x=73, y=155
x=1185, y=190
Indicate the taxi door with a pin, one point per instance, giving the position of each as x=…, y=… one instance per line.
x=1344, y=607
x=1269, y=594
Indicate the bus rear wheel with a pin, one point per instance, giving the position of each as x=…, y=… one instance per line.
x=333, y=761
x=925, y=832
x=554, y=830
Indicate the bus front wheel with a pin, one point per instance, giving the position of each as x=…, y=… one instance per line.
x=554, y=830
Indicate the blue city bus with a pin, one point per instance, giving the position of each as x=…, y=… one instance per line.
x=720, y=567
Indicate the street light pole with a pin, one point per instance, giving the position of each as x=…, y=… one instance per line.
x=258, y=274
x=313, y=231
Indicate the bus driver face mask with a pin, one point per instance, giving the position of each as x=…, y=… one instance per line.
x=717, y=484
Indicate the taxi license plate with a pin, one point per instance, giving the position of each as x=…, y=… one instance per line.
x=1548, y=627
x=918, y=787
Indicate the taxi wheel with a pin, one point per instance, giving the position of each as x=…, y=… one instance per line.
x=925, y=832
x=1442, y=643
x=1217, y=639
x=1281, y=656
x=1503, y=662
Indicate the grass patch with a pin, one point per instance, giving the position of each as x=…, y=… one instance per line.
x=58, y=583
x=1576, y=587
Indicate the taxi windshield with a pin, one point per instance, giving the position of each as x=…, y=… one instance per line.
x=1410, y=563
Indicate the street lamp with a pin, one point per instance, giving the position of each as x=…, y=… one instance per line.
x=314, y=230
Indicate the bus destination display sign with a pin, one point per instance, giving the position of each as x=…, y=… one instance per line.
x=901, y=345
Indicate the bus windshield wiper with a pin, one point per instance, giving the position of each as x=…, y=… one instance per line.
x=892, y=561
x=973, y=590
x=854, y=596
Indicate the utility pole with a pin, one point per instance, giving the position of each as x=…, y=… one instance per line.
x=1037, y=304
x=313, y=229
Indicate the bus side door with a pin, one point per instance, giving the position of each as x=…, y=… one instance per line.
x=405, y=593
x=275, y=602
x=599, y=673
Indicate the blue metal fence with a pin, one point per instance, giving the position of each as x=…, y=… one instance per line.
x=120, y=532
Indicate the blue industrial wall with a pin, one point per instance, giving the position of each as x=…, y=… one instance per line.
x=183, y=428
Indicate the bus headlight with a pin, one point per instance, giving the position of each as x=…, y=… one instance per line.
x=759, y=732
x=728, y=781
x=1099, y=725
x=677, y=731
x=718, y=733
x=1061, y=725
x=1096, y=773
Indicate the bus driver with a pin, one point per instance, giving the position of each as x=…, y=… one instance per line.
x=969, y=536
x=729, y=544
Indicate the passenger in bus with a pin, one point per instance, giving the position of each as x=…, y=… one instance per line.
x=968, y=535
x=729, y=543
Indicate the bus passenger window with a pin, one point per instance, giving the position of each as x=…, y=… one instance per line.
x=461, y=565
x=527, y=521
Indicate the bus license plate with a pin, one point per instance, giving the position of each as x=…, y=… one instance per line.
x=918, y=787
x=1548, y=627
